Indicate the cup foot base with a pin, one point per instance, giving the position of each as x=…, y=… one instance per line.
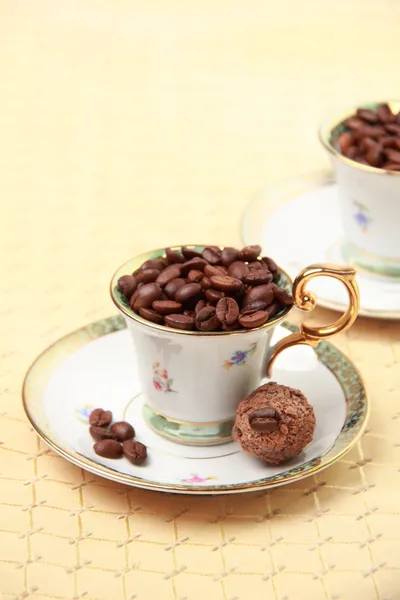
x=194, y=434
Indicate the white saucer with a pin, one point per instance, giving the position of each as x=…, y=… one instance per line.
x=298, y=223
x=94, y=367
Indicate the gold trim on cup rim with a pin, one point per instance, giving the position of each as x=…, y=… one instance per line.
x=329, y=124
x=134, y=262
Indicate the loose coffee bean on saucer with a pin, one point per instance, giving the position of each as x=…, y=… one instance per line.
x=135, y=452
x=100, y=417
x=101, y=433
x=108, y=448
x=122, y=431
x=220, y=289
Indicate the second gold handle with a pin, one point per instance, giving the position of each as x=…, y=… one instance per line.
x=306, y=300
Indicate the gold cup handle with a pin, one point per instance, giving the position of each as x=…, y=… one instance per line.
x=307, y=301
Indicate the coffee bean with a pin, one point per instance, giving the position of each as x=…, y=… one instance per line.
x=195, y=276
x=206, y=319
x=354, y=124
x=257, y=277
x=211, y=271
x=108, y=448
x=173, y=286
x=228, y=256
x=346, y=139
x=384, y=114
x=374, y=156
x=264, y=420
x=194, y=263
x=367, y=144
x=167, y=307
x=367, y=115
x=393, y=155
x=205, y=283
x=254, y=319
x=151, y=315
x=135, y=452
x=271, y=264
x=201, y=304
x=273, y=309
x=127, y=284
x=100, y=417
x=173, y=256
x=122, y=431
x=283, y=296
x=254, y=307
x=211, y=255
x=225, y=283
x=264, y=293
x=154, y=263
x=146, y=295
x=249, y=253
x=393, y=128
x=171, y=272
x=390, y=141
x=177, y=321
x=214, y=296
x=190, y=252
x=370, y=131
x=238, y=270
x=188, y=292
x=391, y=166
x=147, y=275
x=101, y=433
x=227, y=311
x=257, y=265
x=352, y=152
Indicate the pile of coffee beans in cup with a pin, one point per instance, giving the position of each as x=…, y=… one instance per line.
x=207, y=290
x=372, y=137
x=114, y=440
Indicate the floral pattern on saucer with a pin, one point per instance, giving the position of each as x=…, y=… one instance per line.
x=240, y=357
x=161, y=381
x=194, y=478
x=83, y=412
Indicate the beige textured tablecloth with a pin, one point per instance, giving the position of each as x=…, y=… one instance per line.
x=127, y=125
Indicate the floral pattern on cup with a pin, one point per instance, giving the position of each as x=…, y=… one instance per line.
x=194, y=478
x=240, y=357
x=83, y=412
x=361, y=216
x=161, y=381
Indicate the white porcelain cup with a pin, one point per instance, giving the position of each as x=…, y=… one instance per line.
x=370, y=203
x=193, y=381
